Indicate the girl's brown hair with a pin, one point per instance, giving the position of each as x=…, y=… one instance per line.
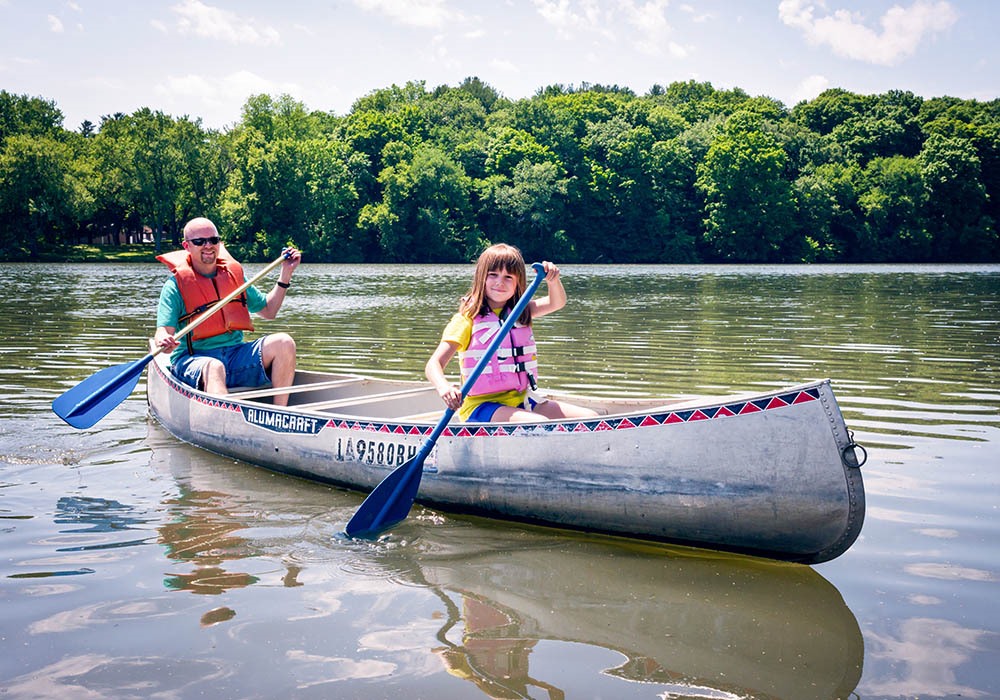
x=497, y=257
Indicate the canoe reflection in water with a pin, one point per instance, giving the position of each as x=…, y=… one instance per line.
x=700, y=624
x=689, y=622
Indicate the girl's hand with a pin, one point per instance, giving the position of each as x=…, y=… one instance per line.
x=451, y=395
x=556, y=297
x=551, y=271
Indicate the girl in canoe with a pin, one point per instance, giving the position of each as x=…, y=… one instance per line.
x=504, y=391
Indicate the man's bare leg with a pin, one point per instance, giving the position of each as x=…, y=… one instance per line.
x=278, y=355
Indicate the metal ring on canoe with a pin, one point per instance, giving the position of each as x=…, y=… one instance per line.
x=853, y=447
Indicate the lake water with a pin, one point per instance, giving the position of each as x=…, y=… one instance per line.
x=134, y=566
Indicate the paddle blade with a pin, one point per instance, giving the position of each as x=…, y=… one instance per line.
x=390, y=502
x=97, y=395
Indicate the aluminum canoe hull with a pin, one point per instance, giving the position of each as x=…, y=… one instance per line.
x=772, y=474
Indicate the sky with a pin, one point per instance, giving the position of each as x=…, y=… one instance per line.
x=204, y=58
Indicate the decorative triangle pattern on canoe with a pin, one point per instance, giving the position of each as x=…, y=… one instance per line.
x=610, y=424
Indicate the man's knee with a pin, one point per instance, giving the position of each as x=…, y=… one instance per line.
x=278, y=346
x=287, y=342
x=213, y=374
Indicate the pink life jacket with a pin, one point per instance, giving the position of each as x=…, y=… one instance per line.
x=514, y=366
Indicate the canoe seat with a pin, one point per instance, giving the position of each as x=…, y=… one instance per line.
x=429, y=415
x=258, y=393
x=364, y=400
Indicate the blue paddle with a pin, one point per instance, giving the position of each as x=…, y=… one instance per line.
x=392, y=499
x=95, y=397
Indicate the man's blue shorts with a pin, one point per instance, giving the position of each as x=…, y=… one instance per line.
x=244, y=365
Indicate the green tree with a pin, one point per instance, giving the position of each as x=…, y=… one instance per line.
x=696, y=101
x=829, y=109
x=979, y=124
x=522, y=196
x=616, y=221
x=487, y=96
x=291, y=190
x=956, y=200
x=892, y=200
x=527, y=210
x=30, y=116
x=424, y=215
x=677, y=203
x=40, y=196
x=368, y=131
x=888, y=126
x=829, y=220
x=584, y=173
x=284, y=117
x=749, y=204
x=154, y=170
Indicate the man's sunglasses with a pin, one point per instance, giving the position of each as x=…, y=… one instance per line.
x=214, y=240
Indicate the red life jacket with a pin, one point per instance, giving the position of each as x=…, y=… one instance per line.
x=200, y=292
x=513, y=367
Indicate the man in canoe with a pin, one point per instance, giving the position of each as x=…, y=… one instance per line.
x=215, y=356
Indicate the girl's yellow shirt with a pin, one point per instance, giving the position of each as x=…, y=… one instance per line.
x=458, y=332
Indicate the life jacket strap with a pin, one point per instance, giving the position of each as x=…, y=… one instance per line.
x=186, y=318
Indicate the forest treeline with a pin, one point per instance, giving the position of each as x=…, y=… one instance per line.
x=593, y=174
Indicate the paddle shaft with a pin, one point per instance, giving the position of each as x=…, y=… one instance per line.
x=406, y=479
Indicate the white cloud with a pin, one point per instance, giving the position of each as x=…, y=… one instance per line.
x=677, y=50
x=648, y=16
x=241, y=84
x=417, y=13
x=504, y=66
x=925, y=658
x=319, y=670
x=695, y=17
x=587, y=16
x=650, y=21
x=55, y=24
x=207, y=22
x=902, y=28
x=810, y=88
x=103, y=83
x=643, y=23
x=217, y=100
x=440, y=47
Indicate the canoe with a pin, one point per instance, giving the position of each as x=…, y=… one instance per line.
x=774, y=474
